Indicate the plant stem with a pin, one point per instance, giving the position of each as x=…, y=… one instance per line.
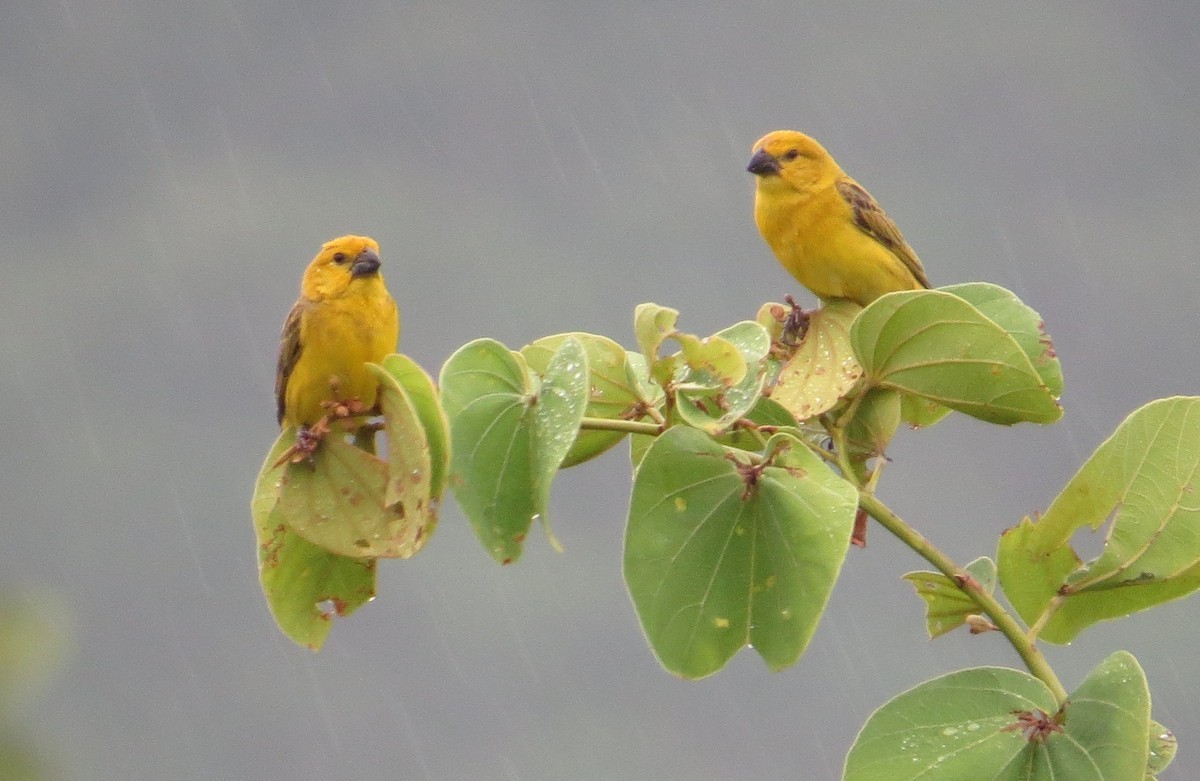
x=1025, y=646
x=626, y=426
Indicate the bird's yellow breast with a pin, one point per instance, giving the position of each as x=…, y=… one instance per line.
x=338, y=336
x=815, y=239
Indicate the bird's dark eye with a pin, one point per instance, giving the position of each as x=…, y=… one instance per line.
x=339, y=257
x=791, y=154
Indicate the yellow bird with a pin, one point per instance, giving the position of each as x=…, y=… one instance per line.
x=826, y=230
x=344, y=318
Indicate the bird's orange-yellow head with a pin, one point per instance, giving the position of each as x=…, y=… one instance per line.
x=340, y=266
x=790, y=160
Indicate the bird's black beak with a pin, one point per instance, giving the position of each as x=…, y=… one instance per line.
x=763, y=164
x=366, y=264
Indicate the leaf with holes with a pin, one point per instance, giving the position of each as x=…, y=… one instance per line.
x=653, y=325
x=338, y=500
x=422, y=395
x=1146, y=477
x=305, y=585
x=823, y=368
x=410, y=469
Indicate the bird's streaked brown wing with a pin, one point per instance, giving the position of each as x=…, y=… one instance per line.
x=289, y=353
x=875, y=223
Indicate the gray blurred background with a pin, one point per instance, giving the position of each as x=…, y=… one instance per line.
x=169, y=168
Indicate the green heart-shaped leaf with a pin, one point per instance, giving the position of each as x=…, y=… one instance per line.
x=1002, y=724
x=720, y=554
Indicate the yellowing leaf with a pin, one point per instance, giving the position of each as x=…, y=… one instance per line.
x=823, y=368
